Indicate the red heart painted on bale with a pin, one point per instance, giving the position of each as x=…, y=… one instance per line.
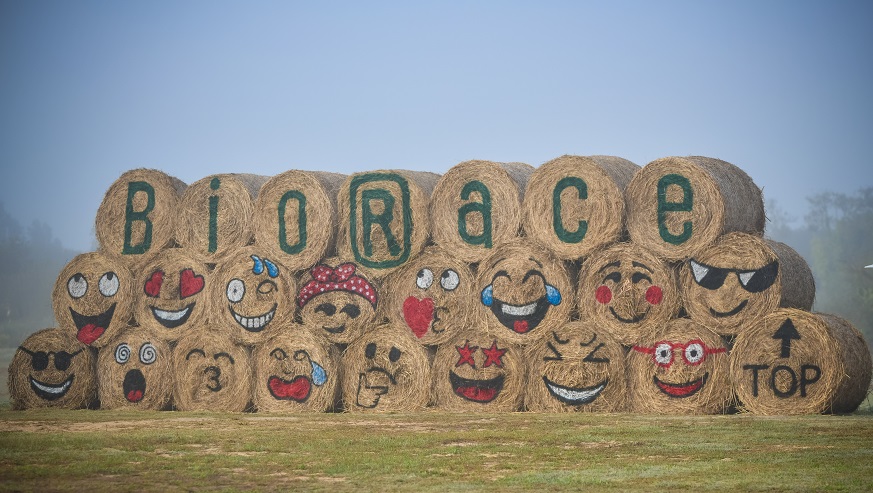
x=189, y=283
x=153, y=285
x=418, y=314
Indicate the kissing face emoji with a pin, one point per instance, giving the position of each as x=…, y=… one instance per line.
x=172, y=293
x=212, y=373
x=93, y=297
x=626, y=289
x=52, y=369
x=521, y=290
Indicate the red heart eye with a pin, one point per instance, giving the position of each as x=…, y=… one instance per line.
x=603, y=295
x=654, y=295
x=153, y=285
x=189, y=283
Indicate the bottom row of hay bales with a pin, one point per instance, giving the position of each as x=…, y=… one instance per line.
x=791, y=362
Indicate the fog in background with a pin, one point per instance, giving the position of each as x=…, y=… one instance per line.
x=89, y=90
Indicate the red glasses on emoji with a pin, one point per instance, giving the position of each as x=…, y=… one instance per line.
x=693, y=352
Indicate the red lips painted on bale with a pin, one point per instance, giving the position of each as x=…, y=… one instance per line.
x=296, y=389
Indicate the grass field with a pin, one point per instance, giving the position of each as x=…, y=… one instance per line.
x=175, y=451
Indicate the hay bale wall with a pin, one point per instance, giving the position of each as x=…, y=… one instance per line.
x=476, y=206
x=574, y=205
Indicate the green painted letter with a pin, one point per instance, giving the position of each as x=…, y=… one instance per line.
x=684, y=206
x=301, y=222
x=131, y=215
x=483, y=208
x=213, y=216
x=582, y=189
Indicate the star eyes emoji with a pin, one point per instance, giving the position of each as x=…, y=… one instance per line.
x=493, y=355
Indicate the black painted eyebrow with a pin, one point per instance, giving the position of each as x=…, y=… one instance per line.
x=217, y=355
x=642, y=266
x=536, y=262
x=195, y=350
x=617, y=263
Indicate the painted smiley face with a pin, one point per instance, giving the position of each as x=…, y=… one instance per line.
x=626, y=290
x=93, y=297
x=172, y=289
x=211, y=372
x=52, y=369
x=252, y=294
x=476, y=373
x=573, y=393
x=431, y=296
x=522, y=291
x=136, y=370
x=684, y=370
x=730, y=282
x=340, y=301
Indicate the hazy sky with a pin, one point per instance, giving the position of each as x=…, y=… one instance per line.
x=88, y=90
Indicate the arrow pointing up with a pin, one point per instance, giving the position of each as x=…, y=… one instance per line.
x=786, y=332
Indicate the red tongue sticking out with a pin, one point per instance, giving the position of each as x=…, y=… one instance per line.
x=477, y=394
x=296, y=390
x=520, y=326
x=418, y=314
x=90, y=333
x=134, y=395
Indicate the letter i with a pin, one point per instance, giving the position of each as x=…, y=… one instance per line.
x=213, y=216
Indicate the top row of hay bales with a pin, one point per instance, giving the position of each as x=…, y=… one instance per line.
x=571, y=206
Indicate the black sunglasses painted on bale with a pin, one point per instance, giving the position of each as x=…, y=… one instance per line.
x=753, y=281
x=40, y=359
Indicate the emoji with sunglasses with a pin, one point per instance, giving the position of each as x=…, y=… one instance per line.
x=251, y=294
x=52, y=369
x=733, y=281
x=681, y=368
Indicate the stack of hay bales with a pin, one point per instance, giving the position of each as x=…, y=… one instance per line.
x=588, y=284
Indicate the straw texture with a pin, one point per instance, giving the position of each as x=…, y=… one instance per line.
x=135, y=371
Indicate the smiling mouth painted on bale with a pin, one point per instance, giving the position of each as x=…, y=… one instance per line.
x=632, y=320
x=575, y=396
x=101, y=320
x=681, y=390
x=731, y=313
x=172, y=319
x=256, y=323
x=481, y=391
x=50, y=392
x=520, y=318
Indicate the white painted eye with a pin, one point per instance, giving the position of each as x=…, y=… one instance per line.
x=694, y=353
x=108, y=284
x=122, y=353
x=663, y=354
x=699, y=271
x=148, y=353
x=450, y=280
x=425, y=278
x=77, y=286
x=236, y=289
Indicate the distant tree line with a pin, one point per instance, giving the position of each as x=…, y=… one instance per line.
x=30, y=260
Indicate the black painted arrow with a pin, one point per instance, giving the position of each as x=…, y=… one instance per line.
x=786, y=332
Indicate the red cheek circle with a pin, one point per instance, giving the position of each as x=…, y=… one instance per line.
x=654, y=295
x=603, y=295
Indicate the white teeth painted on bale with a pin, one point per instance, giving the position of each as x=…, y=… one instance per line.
x=50, y=389
x=519, y=311
x=576, y=395
x=254, y=322
x=166, y=315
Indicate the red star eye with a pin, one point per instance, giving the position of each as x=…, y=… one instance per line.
x=466, y=353
x=493, y=356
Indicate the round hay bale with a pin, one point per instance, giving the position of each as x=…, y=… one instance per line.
x=52, y=369
x=137, y=217
x=296, y=217
x=578, y=366
x=251, y=293
x=212, y=373
x=574, y=205
x=219, y=214
x=742, y=277
x=383, y=217
x=680, y=368
x=135, y=371
x=296, y=371
x=476, y=206
x=478, y=372
x=792, y=361
x=93, y=297
x=385, y=370
x=338, y=299
x=678, y=205
x=522, y=290
x=432, y=296
x=627, y=290
x=171, y=295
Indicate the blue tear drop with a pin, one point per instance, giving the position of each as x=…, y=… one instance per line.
x=553, y=295
x=488, y=295
x=319, y=376
x=259, y=266
x=272, y=270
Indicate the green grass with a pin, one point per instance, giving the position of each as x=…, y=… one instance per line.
x=170, y=451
